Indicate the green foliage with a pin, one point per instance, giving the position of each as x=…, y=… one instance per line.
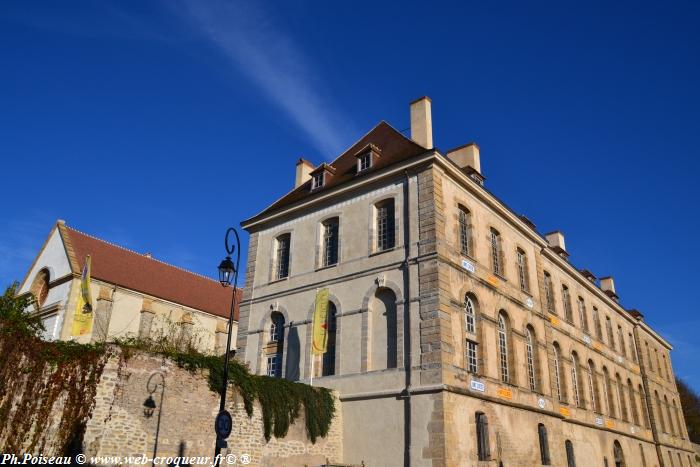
x=35, y=375
x=14, y=316
x=280, y=400
x=690, y=402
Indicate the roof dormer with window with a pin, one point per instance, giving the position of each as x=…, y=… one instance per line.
x=367, y=157
x=320, y=176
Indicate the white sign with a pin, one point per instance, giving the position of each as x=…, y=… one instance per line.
x=587, y=339
x=529, y=302
x=540, y=403
x=478, y=386
x=599, y=421
x=468, y=266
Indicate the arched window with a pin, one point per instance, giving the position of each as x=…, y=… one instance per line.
x=582, y=315
x=282, y=249
x=660, y=412
x=681, y=432
x=607, y=383
x=566, y=299
x=465, y=232
x=558, y=374
x=671, y=425
x=503, y=347
x=40, y=287
x=633, y=402
x=596, y=323
x=523, y=273
x=471, y=343
x=385, y=225
x=618, y=455
x=651, y=362
x=633, y=349
x=608, y=327
x=275, y=349
x=593, y=387
x=530, y=346
x=645, y=407
x=329, y=356
x=549, y=293
x=621, y=340
x=578, y=400
x=642, y=456
x=570, y=460
x=482, y=437
x=621, y=397
x=330, y=242
x=383, y=329
x=496, y=252
x=544, y=444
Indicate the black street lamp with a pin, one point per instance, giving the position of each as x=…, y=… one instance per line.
x=228, y=273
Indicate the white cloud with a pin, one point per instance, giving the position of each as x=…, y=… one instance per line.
x=248, y=37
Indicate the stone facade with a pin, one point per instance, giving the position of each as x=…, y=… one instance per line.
x=544, y=343
x=187, y=408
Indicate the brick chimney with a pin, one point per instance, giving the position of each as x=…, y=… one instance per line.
x=303, y=174
x=556, y=242
x=422, y=122
x=607, y=285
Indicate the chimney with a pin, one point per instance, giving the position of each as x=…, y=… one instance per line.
x=303, y=174
x=422, y=122
x=556, y=242
x=467, y=158
x=607, y=285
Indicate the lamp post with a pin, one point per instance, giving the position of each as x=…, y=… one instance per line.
x=228, y=273
x=149, y=405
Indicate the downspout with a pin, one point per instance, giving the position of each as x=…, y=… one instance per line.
x=406, y=393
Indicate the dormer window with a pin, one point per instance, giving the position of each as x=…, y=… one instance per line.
x=317, y=180
x=319, y=176
x=367, y=157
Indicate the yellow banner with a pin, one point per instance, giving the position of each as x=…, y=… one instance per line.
x=319, y=343
x=82, y=320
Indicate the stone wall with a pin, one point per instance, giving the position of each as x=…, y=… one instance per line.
x=187, y=408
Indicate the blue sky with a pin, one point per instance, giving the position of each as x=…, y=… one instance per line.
x=157, y=124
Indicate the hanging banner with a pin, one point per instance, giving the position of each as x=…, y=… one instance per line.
x=82, y=320
x=319, y=344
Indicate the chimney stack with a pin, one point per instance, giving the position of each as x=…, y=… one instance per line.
x=422, y=122
x=607, y=285
x=556, y=242
x=468, y=159
x=303, y=174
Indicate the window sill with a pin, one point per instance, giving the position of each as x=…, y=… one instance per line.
x=379, y=252
x=330, y=266
x=274, y=281
x=500, y=276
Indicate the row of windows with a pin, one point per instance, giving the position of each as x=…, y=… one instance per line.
x=384, y=239
x=623, y=397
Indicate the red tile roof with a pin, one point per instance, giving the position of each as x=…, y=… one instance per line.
x=125, y=268
x=394, y=147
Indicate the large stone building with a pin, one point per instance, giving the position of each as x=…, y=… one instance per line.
x=459, y=335
x=134, y=295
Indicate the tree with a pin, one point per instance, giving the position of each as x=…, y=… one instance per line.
x=14, y=315
x=690, y=401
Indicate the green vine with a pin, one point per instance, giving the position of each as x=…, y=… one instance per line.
x=280, y=400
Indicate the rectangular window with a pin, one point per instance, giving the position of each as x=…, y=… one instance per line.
x=364, y=162
x=522, y=271
x=317, y=180
x=566, y=298
x=496, y=255
x=621, y=340
x=608, y=326
x=472, y=357
x=596, y=323
x=330, y=242
x=633, y=351
x=282, y=256
x=549, y=292
x=385, y=225
x=272, y=366
x=465, y=237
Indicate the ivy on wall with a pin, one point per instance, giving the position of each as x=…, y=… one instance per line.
x=47, y=389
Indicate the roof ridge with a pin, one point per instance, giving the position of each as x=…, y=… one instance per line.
x=139, y=254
